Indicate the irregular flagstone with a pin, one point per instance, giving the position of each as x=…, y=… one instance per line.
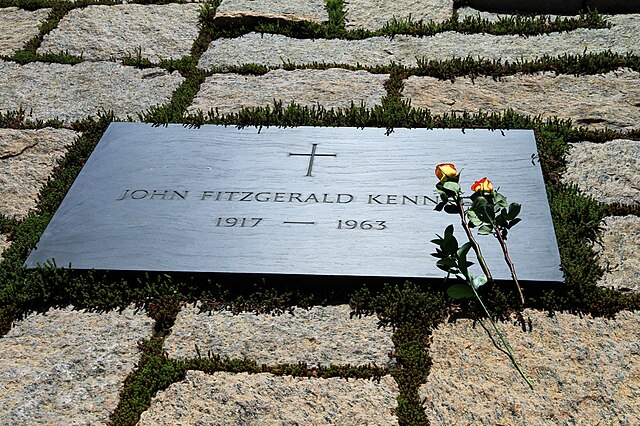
x=585, y=370
x=73, y=92
x=67, y=367
x=27, y=157
x=18, y=26
x=373, y=14
x=274, y=50
x=618, y=250
x=108, y=32
x=264, y=399
x=332, y=88
x=603, y=100
x=609, y=172
x=322, y=335
x=297, y=10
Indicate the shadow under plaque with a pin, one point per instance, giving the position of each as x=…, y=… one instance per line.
x=302, y=201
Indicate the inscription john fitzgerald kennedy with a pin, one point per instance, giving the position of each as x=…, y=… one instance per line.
x=274, y=197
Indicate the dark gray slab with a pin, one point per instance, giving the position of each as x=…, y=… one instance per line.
x=220, y=199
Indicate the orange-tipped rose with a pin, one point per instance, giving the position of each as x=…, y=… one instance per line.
x=446, y=172
x=482, y=185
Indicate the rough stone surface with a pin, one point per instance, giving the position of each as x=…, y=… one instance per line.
x=18, y=26
x=264, y=399
x=373, y=14
x=585, y=370
x=330, y=88
x=27, y=157
x=109, y=32
x=298, y=10
x=603, y=100
x=607, y=171
x=73, y=92
x=67, y=367
x=618, y=250
x=319, y=336
x=274, y=50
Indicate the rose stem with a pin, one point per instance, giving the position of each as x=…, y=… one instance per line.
x=472, y=240
x=507, y=259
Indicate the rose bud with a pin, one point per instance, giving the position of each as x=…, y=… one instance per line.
x=482, y=185
x=446, y=172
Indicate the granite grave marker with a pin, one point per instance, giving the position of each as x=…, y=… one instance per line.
x=308, y=201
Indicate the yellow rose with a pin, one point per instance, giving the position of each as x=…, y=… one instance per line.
x=446, y=172
x=482, y=185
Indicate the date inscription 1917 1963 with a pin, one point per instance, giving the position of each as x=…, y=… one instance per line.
x=320, y=201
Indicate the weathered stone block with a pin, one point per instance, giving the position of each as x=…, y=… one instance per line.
x=18, y=27
x=226, y=398
x=603, y=100
x=73, y=92
x=585, y=371
x=332, y=88
x=606, y=171
x=299, y=10
x=112, y=32
x=319, y=336
x=67, y=367
x=373, y=14
x=27, y=157
x=618, y=250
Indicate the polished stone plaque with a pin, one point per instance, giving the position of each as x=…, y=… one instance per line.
x=309, y=201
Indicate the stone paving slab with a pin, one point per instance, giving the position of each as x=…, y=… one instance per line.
x=27, y=157
x=67, y=367
x=332, y=88
x=603, y=100
x=618, y=250
x=586, y=371
x=274, y=50
x=606, y=171
x=73, y=92
x=295, y=10
x=18, y=26
x=373, y=14
x=114, y=32
x=319, y=336
x=264, y=399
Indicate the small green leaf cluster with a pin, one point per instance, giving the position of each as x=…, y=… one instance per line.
x=490, y=212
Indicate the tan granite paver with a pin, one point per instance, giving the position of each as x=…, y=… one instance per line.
x=67, y=367
x=323, y=335
x=112, y=32
x=27, y=158
x=73, y=92
x=618, y=252
x=602, y=100
x=373, y=14
x=332, y=88
x=296, y=10
x=18, y=26
x=264, y=399
x=585, y=371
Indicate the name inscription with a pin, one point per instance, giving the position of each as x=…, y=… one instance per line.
x=274, y=197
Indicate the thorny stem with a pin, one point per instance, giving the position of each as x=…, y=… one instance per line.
x=502, y=339
x=472, y=240
x=507, y=259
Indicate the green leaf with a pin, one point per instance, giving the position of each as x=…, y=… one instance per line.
x=452, y=186
x=460, y=291
x=463, y=250
x=485, y=230
x=513, y=223
x=499, y=199
x=479, y=281
x=446, y=264
x=514, y=211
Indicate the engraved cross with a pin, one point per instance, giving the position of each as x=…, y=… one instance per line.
x=312, y=156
